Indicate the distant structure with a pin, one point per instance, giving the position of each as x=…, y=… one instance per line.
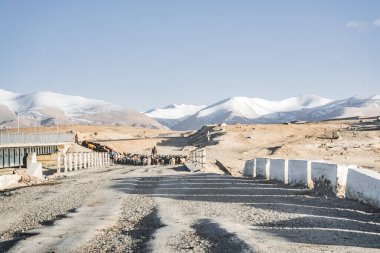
x=208, y=135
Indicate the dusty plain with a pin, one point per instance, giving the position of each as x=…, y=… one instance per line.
x=123, y=208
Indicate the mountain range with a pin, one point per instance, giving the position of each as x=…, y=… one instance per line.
x=256, y=110
x=46, y=108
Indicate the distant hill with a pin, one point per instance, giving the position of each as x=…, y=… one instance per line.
x=256, y=110
x=43, y=108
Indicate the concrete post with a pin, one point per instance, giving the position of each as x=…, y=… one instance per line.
x=200, y=157
x=84, y=160
x=59, y=163
x=90, y=160
x=70, y=161
x=65, y=162
x=204, y=160
x=80, y=161
x=75, y=161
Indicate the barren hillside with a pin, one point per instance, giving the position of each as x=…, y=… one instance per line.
x=344, y=142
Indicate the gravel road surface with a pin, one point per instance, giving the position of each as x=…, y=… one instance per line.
x=169, y=209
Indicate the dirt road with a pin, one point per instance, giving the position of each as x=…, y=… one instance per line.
x=168, y=209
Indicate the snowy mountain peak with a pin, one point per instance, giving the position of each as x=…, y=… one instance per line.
x=256, y=110
x=172, y=114
x=254, y=107
x=6, y=95
x=375, y=97
x=45, y=106
x=174, y=111
x=307, y=100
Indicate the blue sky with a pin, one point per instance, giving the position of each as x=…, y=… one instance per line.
x=145, y=54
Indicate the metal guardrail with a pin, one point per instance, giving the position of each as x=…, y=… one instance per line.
x=198, y=157
x=35, y=138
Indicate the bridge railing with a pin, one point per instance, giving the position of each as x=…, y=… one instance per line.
x=198, y=157
x=35, y=138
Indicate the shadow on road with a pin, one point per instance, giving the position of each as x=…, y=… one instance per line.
x=320, y=220
x=220, y=239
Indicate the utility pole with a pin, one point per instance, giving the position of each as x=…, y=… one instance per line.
x=57, y=123
x=18, y=121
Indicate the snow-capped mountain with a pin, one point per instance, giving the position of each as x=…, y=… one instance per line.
x=172, y=114
x=255, y=110
x=46, y=107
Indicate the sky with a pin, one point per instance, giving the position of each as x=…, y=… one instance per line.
x=146, y=54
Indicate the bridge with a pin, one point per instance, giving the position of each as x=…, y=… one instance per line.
x=15, y=146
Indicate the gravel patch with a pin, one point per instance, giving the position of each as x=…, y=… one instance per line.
x=189, y=242
x=133, y=231
x=32, y=207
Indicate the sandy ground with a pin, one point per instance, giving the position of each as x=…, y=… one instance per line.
x=169, y=209
x=233, y=145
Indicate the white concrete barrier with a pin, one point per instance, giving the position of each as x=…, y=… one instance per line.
x=263, y=167
x=299, y=173
x=279, y=170
x=250, y=168
x=9, y=180
x=342, y=180
x=33, y=168
x=363, y=185
x=329, y=177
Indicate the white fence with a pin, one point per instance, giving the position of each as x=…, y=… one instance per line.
x=78, y=161
x=35, y=138
x=341, y=180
